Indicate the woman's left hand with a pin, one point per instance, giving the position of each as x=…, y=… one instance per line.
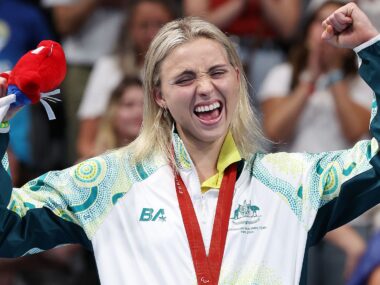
x=348, y=27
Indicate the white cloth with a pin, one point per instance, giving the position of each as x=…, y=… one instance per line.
x=103, y=79
x=319, y=116
x=95, y=38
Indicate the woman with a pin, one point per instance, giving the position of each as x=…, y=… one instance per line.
x=319, y=80
x=132, y=207
x=145, y=19
x=317, y=102
x=122, y=120
x=261, y=29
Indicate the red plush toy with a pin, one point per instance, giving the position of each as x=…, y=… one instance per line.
x=35, y=75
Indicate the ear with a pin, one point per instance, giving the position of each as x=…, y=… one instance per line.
x=159, y=98
x=237, y=74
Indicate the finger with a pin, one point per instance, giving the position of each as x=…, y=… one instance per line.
x=343, y=20
x=342, y=15
x=326, y=23
x=328, y=33
x=337, y=26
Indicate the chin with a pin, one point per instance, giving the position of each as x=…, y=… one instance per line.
x=212, y=136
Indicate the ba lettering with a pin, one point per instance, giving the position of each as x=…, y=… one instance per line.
x=148, y=214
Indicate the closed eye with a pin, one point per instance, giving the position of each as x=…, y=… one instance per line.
x=185, y=79
x=217, y=73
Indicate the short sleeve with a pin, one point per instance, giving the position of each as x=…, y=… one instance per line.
x=103, y=80
x=276, y=83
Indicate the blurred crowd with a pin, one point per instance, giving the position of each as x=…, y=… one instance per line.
x=308, y=94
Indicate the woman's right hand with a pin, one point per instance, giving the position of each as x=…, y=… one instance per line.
x=3, y=93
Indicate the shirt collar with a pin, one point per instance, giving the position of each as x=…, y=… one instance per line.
x=229, y=154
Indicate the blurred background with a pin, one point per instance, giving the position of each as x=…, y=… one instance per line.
x=309, y=97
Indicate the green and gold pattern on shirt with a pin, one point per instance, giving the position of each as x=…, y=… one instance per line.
x=309, y=181
x=182, y=157
x=5, y=162
x=373, y=107
x=256, y=274
x=85, y=193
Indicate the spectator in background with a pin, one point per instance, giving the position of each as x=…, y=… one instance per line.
x=368, y=270
x=22, y=27
x=317, y=102
x=121, y=122
x=261, y=28
x=316, y=77
x=145, y=18
x=372, y=8
x=88, y=30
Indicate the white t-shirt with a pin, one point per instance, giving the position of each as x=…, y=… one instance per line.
x=103, y=79
x=96, y=37
x=319, y=116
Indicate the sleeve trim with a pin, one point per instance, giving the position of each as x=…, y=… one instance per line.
x=367, y=44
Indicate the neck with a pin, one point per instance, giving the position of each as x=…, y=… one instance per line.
x=204, y=156
x=123, y=142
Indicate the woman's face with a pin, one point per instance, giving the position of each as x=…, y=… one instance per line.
x=147, y=19
x=329, y=55
x=129, y=112
x=200, y=88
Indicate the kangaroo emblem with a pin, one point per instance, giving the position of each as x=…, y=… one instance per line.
x=246, y=210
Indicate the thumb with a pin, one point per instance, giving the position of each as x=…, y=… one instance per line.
x=328, y=33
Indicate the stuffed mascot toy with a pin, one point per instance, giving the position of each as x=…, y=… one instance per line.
x=35, y=78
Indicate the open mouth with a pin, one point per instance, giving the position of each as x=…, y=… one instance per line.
x=209, y=113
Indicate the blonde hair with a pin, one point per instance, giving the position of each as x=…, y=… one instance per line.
x=155, y=136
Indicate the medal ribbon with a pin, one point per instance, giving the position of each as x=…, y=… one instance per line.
x=207, y=268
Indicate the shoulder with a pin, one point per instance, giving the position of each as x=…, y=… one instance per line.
x=109, y=61
x=282, y=164
x=118, y=163
x=280, y=70
x=277, y=82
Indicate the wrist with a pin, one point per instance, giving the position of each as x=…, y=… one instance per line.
x=366, y=44
x=307, y=79
x=331, y=78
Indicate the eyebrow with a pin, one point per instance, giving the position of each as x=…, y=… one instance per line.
x=185, y=72
x=191, y=72
x=218, y=66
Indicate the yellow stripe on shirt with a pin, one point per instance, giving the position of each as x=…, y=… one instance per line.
x=228, y=155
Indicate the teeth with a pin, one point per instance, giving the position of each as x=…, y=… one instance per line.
x=207, y=108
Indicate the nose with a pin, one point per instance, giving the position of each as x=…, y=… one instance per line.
x=205, y=85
